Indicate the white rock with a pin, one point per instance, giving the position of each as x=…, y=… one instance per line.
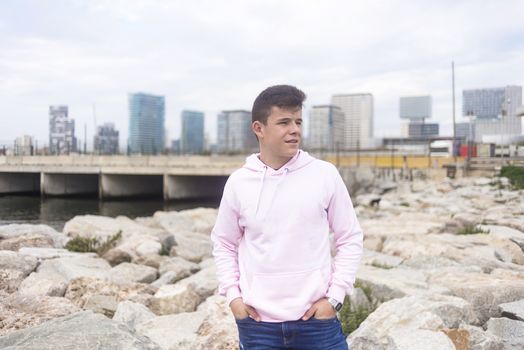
x=70, y=268
x=51, y=253
x=419, y=339
x=129, y=272
x=204, y=282
x=167, y=278
x=131, y=314
x=510, y=331
x=180, y=266
x=41, y=283
x=14, y=236
x=174, y=298
x=15, y=261
x=513, y=310
x=173, y=331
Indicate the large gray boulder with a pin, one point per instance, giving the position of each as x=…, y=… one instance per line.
x=510, y=331
x=175, y=298
x=180, y=266
x=173, y=331
x=131, y=314
x=16, y=236
x=15, y=261
x=418, y=339
x=75, y=267
x=51, y=253
x=431, y=312
x=80, y=331
x=44, y=283
x=514, y=310
x=21, y=311
x=10, y=280
x=129, y=272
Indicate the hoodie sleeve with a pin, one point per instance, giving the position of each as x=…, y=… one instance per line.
x=226, y=235
x=348, y=236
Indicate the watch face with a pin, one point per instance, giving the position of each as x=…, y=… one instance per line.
x=338, y=307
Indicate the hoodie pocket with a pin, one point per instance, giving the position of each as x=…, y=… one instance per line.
x=286, y=296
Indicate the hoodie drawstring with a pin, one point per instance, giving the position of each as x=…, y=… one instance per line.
x=260, y=188
x=282, y=177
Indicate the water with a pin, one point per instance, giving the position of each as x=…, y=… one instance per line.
x=55, y=212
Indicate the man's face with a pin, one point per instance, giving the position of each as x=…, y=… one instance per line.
x=280, y=136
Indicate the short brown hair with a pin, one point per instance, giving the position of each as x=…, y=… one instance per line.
x=282, y=96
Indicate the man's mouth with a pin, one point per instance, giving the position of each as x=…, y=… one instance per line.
x=291, y=141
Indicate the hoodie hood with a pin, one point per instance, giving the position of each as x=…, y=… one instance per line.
x=299, y=160
x=253, y=163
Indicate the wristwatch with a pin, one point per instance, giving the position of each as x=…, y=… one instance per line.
x=335, y=303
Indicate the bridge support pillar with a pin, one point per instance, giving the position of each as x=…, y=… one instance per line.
x=68, y=184
x=193, y=186
x=19, y=183
x=117, y=185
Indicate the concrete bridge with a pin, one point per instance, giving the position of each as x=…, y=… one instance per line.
x=170, y=177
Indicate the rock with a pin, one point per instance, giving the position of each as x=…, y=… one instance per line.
x=514, y=310
x=203, y=219
x=405, y=224
x=135, y=239
x=153, y=260
x=52, y=253
x=131, y=314
x=419, y=339
x=173, y=331
x=167, y=278
x=84, y=293
x=359, y=300
x=42, y=283
x=116, y=256
x=16, y=236
x=431, y=312
x=210, y=262
x=218, y=331
x=174, y=222
x=128, y=272
x=10, y=280
x=373, y=243
x=180, y=266
x=204, y=282
x=510, y=331
x=481, y=340
x=81, y=331
x=192, y=246
x=174, y=298
x=15, y=261
x=80, y=266
x=483, y=291
x=21, y=311
x=380, y=260
x=459, y=337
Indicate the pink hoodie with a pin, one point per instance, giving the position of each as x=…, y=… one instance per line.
x=271, y=237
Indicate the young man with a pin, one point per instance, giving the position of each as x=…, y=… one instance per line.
x=271, y=238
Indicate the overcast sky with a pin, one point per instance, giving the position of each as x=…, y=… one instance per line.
x=215, y=55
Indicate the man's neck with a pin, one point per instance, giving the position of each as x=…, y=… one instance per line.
x=273, y=162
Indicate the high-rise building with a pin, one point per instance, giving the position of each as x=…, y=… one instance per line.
x=234, y=133
x=24, y=146
x=192, y=137
x=326, y=128
x=358, y=119
x=106, y=139
x=494, y=111
x=62, y=138
x=146, y=123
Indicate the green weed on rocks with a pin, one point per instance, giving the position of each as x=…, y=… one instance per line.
x=351, y=317
x=93, y=245
x=515, y=174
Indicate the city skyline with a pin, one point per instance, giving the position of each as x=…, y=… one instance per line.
x=202, y=60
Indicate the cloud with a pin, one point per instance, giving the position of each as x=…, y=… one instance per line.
x=209, y=55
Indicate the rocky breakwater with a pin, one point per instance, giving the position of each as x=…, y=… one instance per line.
x=148, y=283
x=443, y=268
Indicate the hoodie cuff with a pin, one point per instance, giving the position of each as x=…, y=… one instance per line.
x=337, y=293
x=232, y=293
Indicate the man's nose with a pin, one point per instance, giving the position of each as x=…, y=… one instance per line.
x=295, y=128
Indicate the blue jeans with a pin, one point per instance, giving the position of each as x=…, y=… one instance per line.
x=312, y=334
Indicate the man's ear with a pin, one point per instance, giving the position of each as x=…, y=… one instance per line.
x=256, y=126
